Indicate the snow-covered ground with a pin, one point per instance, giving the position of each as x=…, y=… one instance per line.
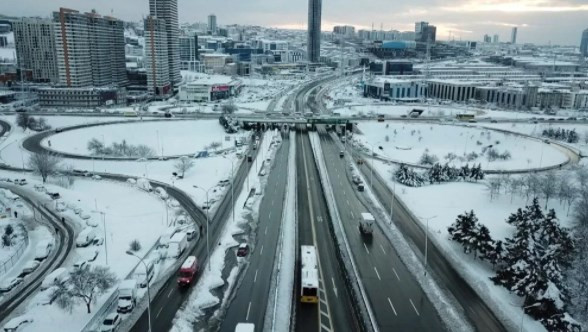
x=246, y=208
x=408, y=141
x=166, y=138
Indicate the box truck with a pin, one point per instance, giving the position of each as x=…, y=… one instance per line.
x=127, y=295
x=177, y=244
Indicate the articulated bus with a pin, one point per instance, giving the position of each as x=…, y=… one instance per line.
x=309, y=277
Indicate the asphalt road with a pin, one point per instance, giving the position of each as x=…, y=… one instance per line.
x=170, y=297
x=64, y=245
x=478, y=313
x=396, y=298
x=5, y=127
x=249, y=302
x=334, y=311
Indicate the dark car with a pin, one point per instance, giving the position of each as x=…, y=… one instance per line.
x=360, y=187
x=243, y=250
x=54, y=195
x=168, y=115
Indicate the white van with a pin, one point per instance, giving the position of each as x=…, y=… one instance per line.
x=143, y=278
x=59, y=275
x=161, y=193
x=86, y=237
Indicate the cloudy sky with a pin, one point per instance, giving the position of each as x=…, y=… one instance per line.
x=539, y=21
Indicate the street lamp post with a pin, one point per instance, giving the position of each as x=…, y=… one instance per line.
x=130, y=253
x=207, y=222
x=523, y=313
x=427, y=241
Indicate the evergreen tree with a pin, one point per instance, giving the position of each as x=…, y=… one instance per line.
x=463, y=231
x=483, y=243
x=408, y=177
x=495, y=253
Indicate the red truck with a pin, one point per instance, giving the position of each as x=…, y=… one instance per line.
x=188, y=271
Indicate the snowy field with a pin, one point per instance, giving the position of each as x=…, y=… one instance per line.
x=407, y=142
x=168, y=138
x=129, y=214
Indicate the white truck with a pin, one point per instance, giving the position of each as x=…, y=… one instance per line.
x=366, y=223
x=127, y=295
x=245, y=327
x=177, y=244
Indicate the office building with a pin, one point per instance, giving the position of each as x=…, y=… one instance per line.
x=584, y=43
x=157, y=66
x=90, y=49
x=513, y=35
x=189, y=55
x=167, y=11
x=345, y=30
x=424, y=32
x=34, y=40
x=314, y=31
x=495, y=39
x=487, y=39
x=212, y=28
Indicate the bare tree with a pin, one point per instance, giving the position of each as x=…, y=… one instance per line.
x=531, y=185
x=514, y=186
x=494, y=184
x=215, y=145
x=44, y=164
x=229, y=108
x=183, y=165
x=22, y=120
x=84, y=285
x=548, y=186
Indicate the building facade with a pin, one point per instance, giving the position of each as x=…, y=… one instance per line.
x=513, y=35
x=90, y=49
x=34, y=40
x=204, y=91
x=314, y=31
x=167, y=11
x=157, y=66
x=189, y=54
x=81, y=97
x=212, y=24
x=584, y=43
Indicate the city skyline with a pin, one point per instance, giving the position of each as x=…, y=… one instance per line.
x=465, y=19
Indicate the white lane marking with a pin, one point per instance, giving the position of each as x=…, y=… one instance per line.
x=158, y=312
x=392, y=306
x=382, y=248
x=265, y=230
x=397, y=277
x=248, y=309
x=323, y=327
x=352, y=216
x=334, y=287
x=272, y=203
x=255, y=278
x=366, y=248
x=377, y=273
x=261, y=251
x=415, y=309
x=348, y=202
x=269, y=216
x=170, y=293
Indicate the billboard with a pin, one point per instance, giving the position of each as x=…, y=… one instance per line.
x=220, y=88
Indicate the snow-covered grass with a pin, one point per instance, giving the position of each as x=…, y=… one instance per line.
x=246, y=207
x=407, y=142
x=443, y=204
x=163, y=137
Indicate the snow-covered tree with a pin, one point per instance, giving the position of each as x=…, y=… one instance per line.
x=408, y=177
x=548, y=186
x=463, y=231
x=183, y=164
x=84, y=285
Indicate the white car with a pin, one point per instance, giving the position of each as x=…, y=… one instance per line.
x=92, y=223
x=30, y=266
x=15, y=323
x=96, y=177
x=110, y=323
x=9, y=285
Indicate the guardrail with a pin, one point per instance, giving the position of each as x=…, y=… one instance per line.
x=351, y=273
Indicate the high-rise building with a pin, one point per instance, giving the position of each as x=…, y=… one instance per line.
x=513, y=35
x=90, y=49
x=495, y=39
x=346, y=30
x=212, y=24
x=424, y=32
x=314, y=31
x=34, y=40
x=157, y=57
x=584, y=43
x=167, y=11
x=189, y=59
x=487, y=39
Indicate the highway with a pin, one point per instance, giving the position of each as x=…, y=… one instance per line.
x=249, y=301
x=64, y=243
x=335, y=310
x=395, y=296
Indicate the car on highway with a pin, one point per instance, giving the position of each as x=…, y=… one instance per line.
x=360, y=187
x=341, y=154
x=80, y=172
x=96, y=177
x=9, y=285
x=30, y=266
x=243, y=250
x=54, y=195
x=21, y=182
x=110, y=323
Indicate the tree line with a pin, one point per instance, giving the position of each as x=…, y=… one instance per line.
x=437, y=174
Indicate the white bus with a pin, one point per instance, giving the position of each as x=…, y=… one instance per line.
x=309, y=277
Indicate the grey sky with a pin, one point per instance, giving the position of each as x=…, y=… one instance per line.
x=539, y=21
